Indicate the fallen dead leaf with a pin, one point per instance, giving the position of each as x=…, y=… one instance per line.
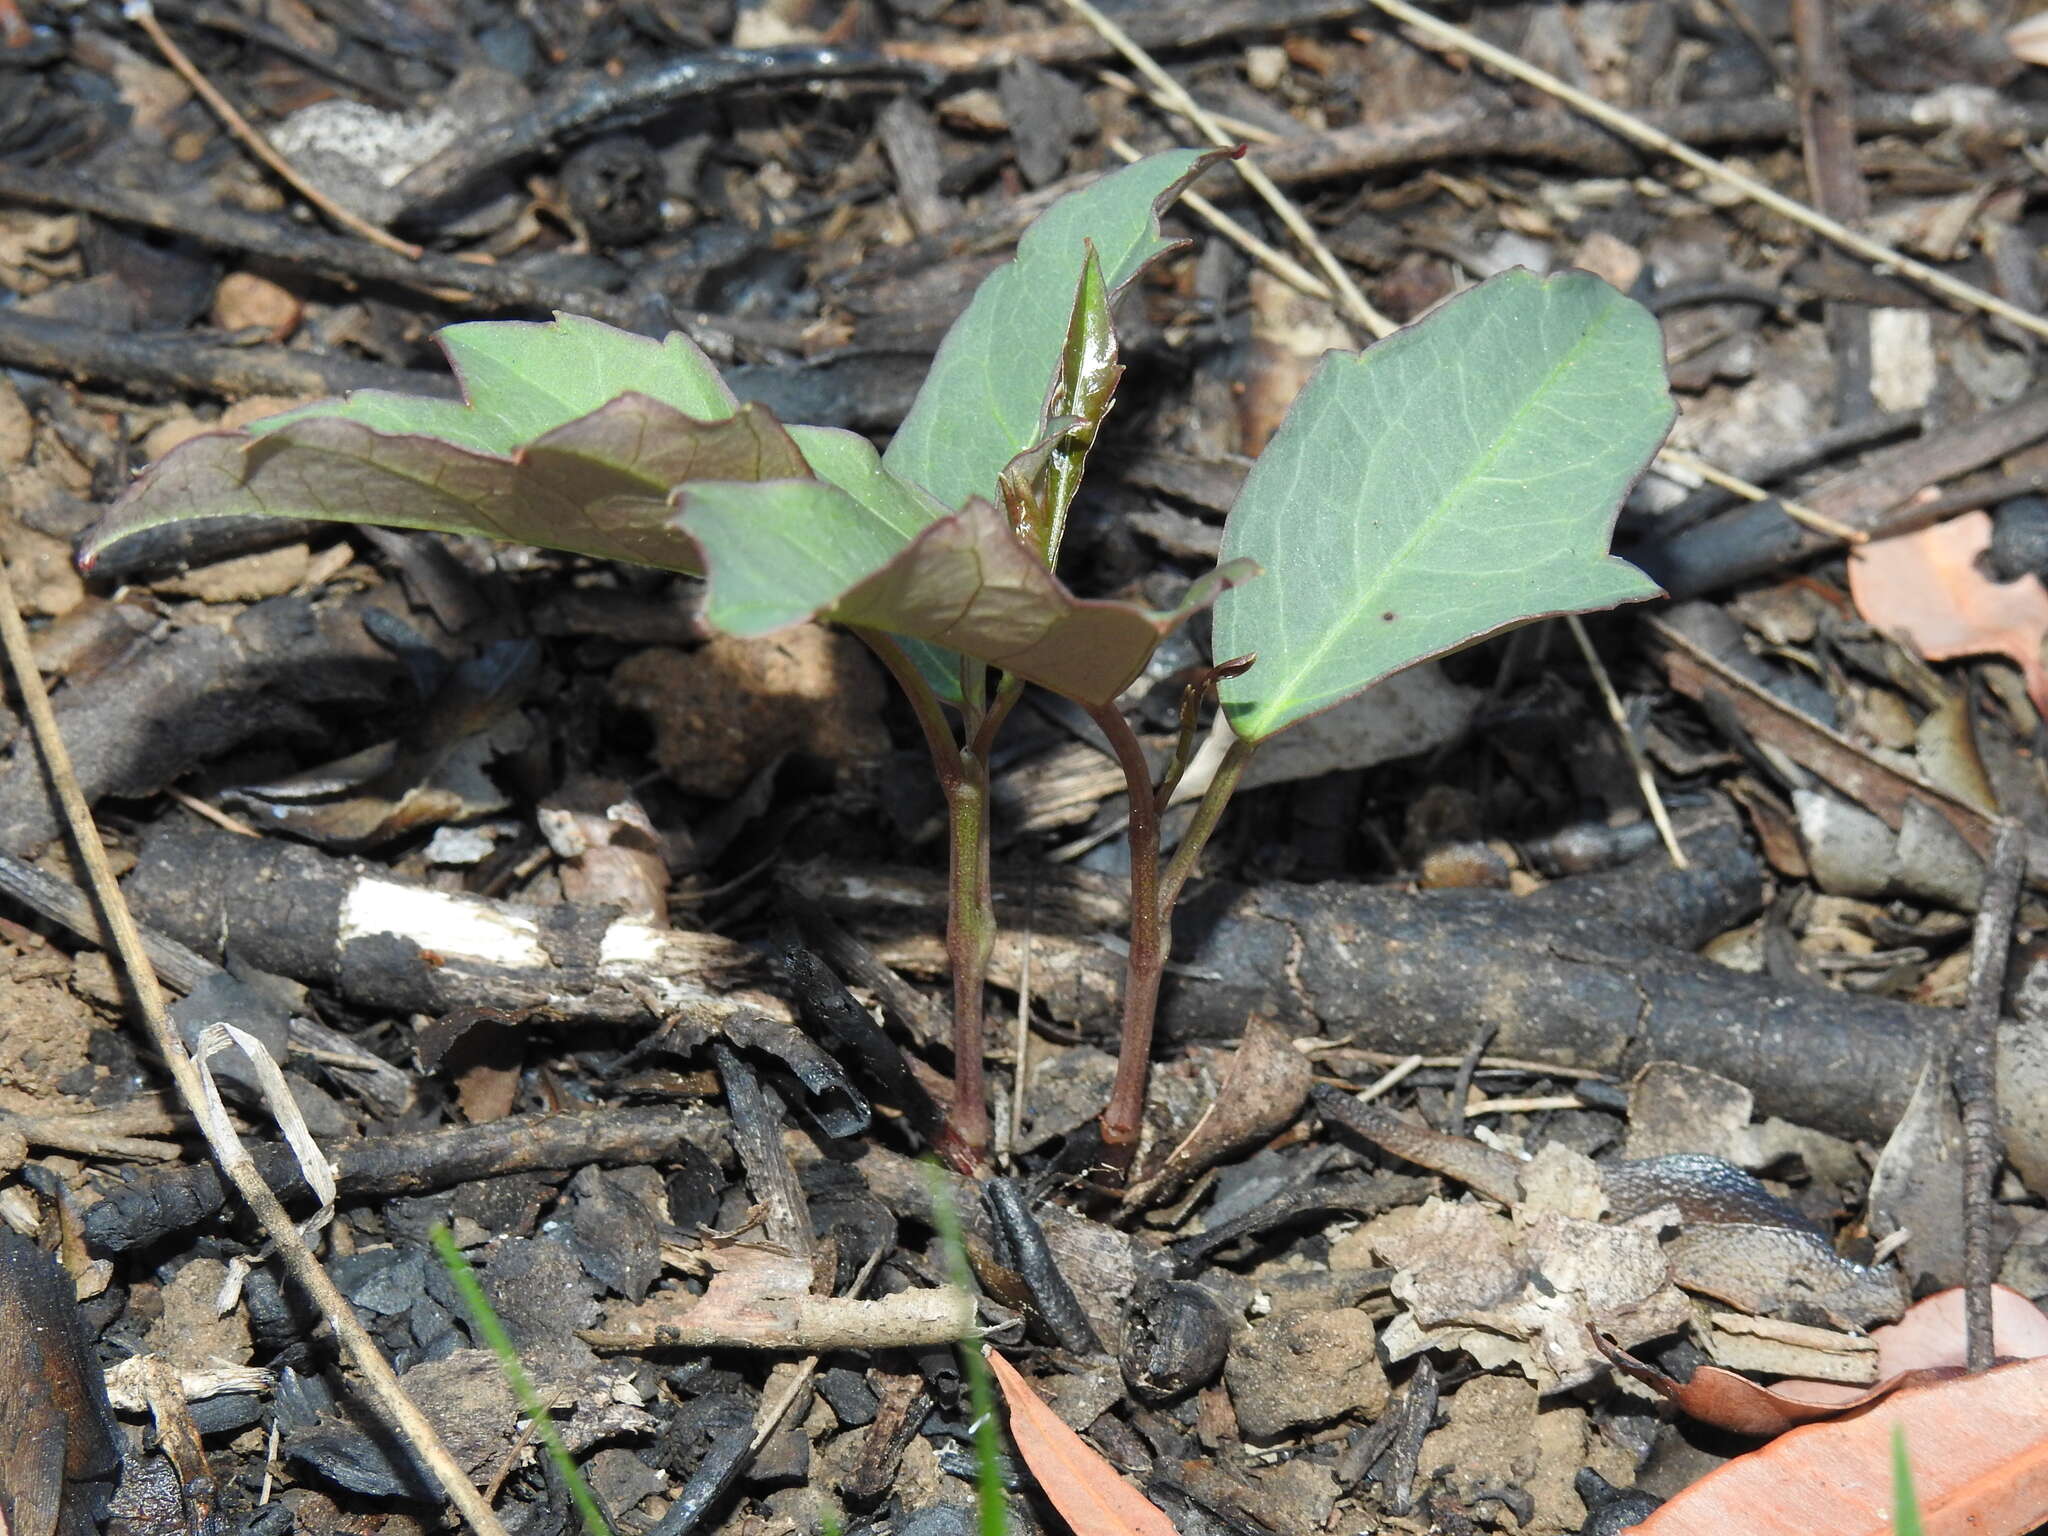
x=1729, y=1400
x=1930, y=1337
x=1926, y=585
x=1090, y=1494
x=1978, y=1447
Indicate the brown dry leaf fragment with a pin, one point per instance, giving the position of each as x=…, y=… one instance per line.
x=1931, y=1336
x=1261, y=1094
x=1978, y=1446
x=1090, y=1494
x=1731, y=1401
x=1926, y=586
x=1492, y=1174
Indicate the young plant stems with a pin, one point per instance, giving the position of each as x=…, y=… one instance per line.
x=1153, y=895
x=931, y=718
x=970, y=939
x=970, y=908
x=1147, y=958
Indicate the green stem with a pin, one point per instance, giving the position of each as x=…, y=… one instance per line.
x=931, y=716
x=970, y=907
x=1008, y=692
x=1208, y=811
x=970, y=939
x=1125, y=1114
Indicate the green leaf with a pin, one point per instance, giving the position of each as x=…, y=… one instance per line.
x=986, y=399
x=1460, y=477
x=596, y=485
x=779, y=552
x=523, y=378
x=572, y=436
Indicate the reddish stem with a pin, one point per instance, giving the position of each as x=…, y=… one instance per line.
x=970, y=915
x=1124, y=1117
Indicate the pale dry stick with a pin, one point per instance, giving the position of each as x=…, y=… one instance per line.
x=126, y=942
x=1351, y=301
x=212, y=813
x=1021, y=1040
x=1248, y=132
x=1387, y=1080
x=1819, y=522
x=1276, y=261
x=770, y=1416
x=1634, y=128
x=143, y=14
x=1646, y=783
x=1486, y=1064
x=1479, y=1104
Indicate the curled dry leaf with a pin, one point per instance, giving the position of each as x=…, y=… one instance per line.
x=1930, y=1337
x=1978, y=1447
x=1927, y=586
x=1090, y=1494
x=1263, y=1089
x=1730, y=1400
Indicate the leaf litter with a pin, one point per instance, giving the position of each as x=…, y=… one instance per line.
x=1503, y=1436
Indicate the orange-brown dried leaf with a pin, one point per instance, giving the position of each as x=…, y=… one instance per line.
x=1931, y=1337
x=1729, y=1400
x=1090, y=1494
x=1978, y=1447
x=1927, y=586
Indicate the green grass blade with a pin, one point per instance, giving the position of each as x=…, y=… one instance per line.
x=992, y=1509
x=1905, y=1502
x=486, y=1319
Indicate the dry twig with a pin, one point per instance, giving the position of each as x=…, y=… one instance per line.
x=1635, y=129
x=1646, y=782
x=234, y=1161
x=143, y=14
x=1355, y=305
x=1975, y=1067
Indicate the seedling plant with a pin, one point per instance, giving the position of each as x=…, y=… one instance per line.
x=1459, y=477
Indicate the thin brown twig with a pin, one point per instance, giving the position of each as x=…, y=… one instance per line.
x=143, y=14
x=1975, y=1068
x=233, y=1160
x=1635, y=129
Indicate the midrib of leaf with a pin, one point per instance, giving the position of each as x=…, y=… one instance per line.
x=1366, y=600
